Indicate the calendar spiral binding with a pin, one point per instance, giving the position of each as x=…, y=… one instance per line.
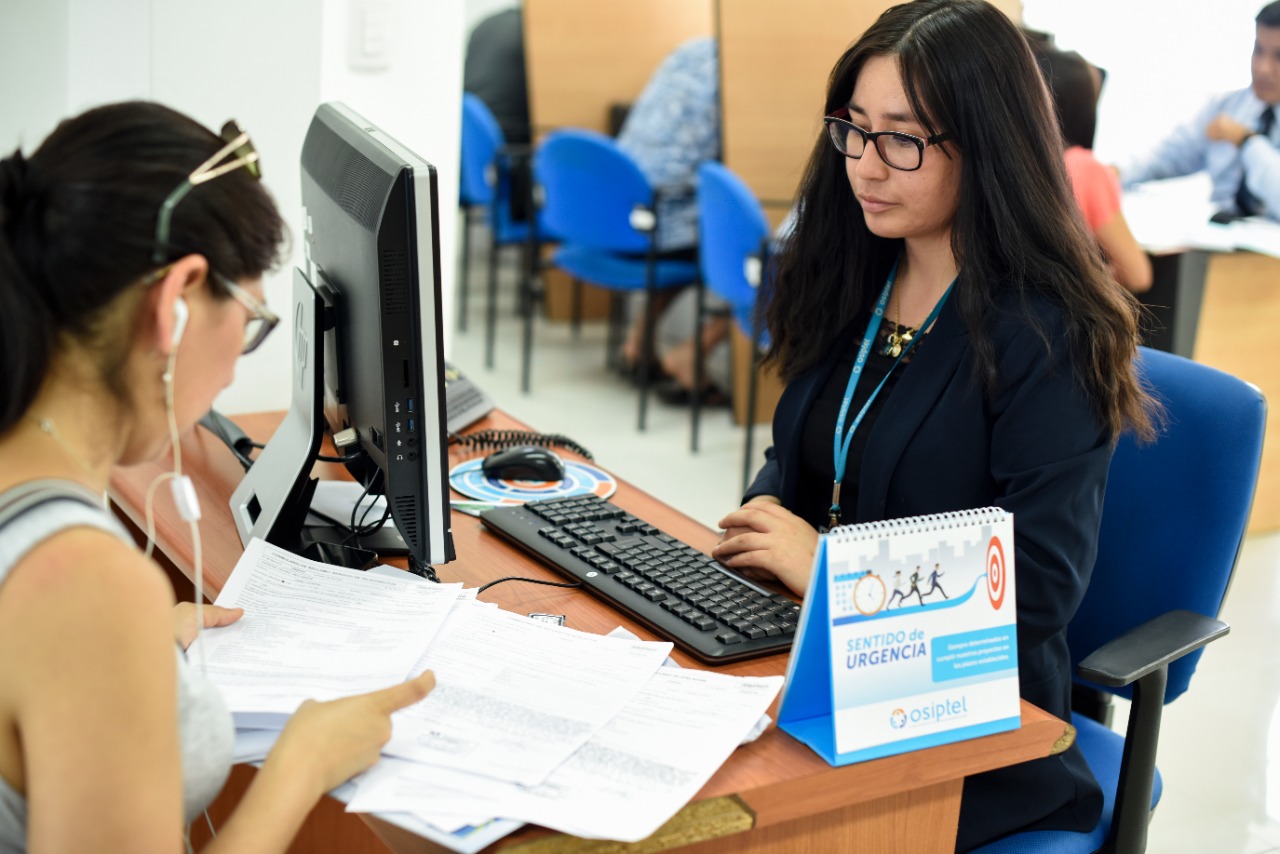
x=952, y=520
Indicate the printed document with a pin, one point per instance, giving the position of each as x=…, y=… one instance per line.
x=312, y=631
x=623, y=784
x=515, y=697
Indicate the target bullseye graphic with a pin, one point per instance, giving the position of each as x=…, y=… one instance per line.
x=996, y=577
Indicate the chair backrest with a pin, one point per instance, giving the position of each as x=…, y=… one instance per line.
x=1175, y=511
x=589, y=189
x=731, y=229
x=481, y=140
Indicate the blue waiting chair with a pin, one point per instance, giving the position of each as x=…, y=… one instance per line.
x=733, y=254
x=485, y=187
x=1173, y=521
x=599, y=203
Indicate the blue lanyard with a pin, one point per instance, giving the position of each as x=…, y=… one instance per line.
x=843, y=438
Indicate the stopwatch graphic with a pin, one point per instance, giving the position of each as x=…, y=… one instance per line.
x=868, y=594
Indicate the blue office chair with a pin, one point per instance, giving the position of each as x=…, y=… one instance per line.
x=1173, y=522
x=733, y=253
x=485, y=188
x=599, y=203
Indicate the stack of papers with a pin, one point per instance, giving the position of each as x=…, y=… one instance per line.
x=1174, y=214
x=529, y=722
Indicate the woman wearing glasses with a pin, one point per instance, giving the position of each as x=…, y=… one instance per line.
x=132, y=246
x=950, y=339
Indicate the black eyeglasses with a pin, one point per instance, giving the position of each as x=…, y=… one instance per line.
x=238, y=147
x=261, y=319
x=902, y=151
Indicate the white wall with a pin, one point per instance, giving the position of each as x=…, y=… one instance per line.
x=33, y=70
x=1164, y=59
x=266, y=64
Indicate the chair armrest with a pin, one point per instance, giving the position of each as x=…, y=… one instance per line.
x=1150, y=646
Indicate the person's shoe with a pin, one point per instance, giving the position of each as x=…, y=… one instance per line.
x=635, y=374
x=674, y=394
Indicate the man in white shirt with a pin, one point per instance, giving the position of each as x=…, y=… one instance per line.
x=1235, y=138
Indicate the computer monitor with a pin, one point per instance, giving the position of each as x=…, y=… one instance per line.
x=368, y=355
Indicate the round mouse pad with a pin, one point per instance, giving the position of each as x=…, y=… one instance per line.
x=579, y=479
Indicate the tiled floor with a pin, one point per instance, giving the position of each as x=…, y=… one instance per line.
x=1220, y=742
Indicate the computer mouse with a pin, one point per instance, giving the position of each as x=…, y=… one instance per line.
x=524, y=462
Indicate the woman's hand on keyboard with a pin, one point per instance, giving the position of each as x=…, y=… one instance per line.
x=764, y=540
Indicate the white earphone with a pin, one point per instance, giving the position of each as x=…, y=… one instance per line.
x=180, y=315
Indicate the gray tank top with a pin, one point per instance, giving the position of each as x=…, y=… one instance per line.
x=30, y=514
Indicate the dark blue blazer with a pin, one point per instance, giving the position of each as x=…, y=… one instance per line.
x=1033, y=447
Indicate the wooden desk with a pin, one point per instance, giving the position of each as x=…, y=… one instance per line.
x=1237, y=334
x=772, y=795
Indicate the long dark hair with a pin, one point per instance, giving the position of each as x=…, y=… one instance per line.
x=967, y=71
x=1075, y=93
x=77, y=224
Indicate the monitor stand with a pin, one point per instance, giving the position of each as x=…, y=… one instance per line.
x=272, y=500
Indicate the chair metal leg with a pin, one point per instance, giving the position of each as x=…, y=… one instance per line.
x=752, y=381
x=530, y=302
x=695, y=402
x=646, y=348
x=613, y=338
x=575, y=320
x=491, y=310
x=464, y=278
x=1132, y=810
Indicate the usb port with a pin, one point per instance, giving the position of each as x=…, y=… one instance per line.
x=410, y=425
x=409, y=404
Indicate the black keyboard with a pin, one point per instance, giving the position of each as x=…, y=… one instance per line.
x=676, y=590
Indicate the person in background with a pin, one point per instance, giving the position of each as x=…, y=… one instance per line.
x=1234, y=137
x=950, y=338
x=1075, y=85
x=671, y=129
x=132, y=247
x=494, y=71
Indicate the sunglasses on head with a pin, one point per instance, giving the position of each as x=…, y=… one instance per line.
x=239, y=148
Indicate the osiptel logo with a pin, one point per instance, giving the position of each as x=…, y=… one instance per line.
x=930, y=713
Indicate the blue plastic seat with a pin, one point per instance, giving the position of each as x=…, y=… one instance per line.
x=485, y=188
x=733, y=254
x=1173, y=521
x=599, y=203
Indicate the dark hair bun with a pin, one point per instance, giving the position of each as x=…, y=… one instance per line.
x=13, y=185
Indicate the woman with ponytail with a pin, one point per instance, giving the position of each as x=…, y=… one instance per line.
x=132, y=247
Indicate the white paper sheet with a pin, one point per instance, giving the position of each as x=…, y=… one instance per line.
x=629, y=779
x=314, y=631
x=756, y=731
x=1174, y=214
x=515, y=697
x=336, y=498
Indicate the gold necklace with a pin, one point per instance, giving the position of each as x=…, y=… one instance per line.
x=50, y=429
x=901, y=336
